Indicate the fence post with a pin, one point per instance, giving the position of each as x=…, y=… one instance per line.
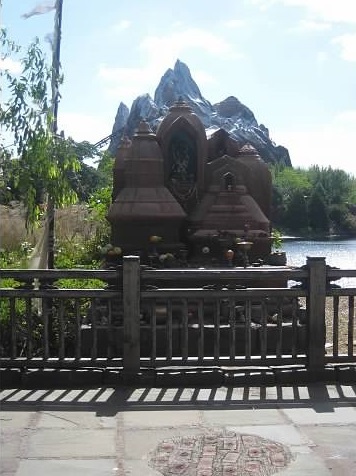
x=131, y=301
x=316, y=312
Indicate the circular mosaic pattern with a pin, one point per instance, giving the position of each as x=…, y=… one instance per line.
x=219, y=454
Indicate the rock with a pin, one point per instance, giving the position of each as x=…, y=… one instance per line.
x=143, y=109
x=118, y=129
x=230, y=114
x=232, y=108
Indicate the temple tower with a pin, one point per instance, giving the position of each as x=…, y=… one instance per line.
x=119, y=166
x=144, y=207
x=182, y=138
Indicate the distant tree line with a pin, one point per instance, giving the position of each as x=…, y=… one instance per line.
x=313, y=201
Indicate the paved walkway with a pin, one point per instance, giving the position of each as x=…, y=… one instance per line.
x=300, y=430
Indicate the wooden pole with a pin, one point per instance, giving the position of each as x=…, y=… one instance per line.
x=55, y=100
x=131, y=301
x=316, y=313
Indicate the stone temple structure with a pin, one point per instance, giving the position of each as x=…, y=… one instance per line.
x=189, y=193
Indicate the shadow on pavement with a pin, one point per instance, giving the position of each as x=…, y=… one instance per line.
x=107, y=401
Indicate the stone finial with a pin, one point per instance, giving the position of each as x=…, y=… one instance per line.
x=180, y=105
x=143, y=129
x=125, y=142
x=248, y=149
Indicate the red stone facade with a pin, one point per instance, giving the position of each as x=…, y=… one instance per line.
x=189, y=188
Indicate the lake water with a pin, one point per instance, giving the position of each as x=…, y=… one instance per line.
x=338, y=253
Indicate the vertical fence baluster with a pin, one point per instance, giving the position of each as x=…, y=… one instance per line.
x=279, y=328
x=94, y=331
x=153, y=323
x=78, y=333
x=61, y=352
x=294, y=328
x=263, y=331
x=13, y=328
x=216, y=331
x=45, y=318
x=110, y=331
x=169, y=332
x=201, y=331
x=232, y=329
x=248, y=329
x=29, y=328
x=185, y=341
x=351, y=316
x=336, y=303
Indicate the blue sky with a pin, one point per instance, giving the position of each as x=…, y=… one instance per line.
x=293, y=62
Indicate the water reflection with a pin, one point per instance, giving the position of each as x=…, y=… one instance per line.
x=338, y=253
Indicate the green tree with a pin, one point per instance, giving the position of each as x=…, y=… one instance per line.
x=318, y=211
x=9, y=173
x=296, y=215
x=89, y=179
x=287, y=180
x=45, y=161
x=337, y=196
x=337, y=184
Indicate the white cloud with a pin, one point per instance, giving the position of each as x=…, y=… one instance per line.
x=84, y=127
x=311, y=26
x=202, y=78
x=340, y=11
x=121, y=26
x=263, y=4
x=347, y=43
x=126, y=84
x=173, y=45
x=321, y=15
x=346, y=117
x=234, y=24
x=8, y=64
x=161, y=53
x=326, y=144
x=119, y=74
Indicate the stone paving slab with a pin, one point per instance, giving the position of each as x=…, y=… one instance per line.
x=139, y=468
x=325, y=415
x=65, y=434
x=61, y=443
x=286, y=434
x=72, y=420
x=72, y=467
x=307, y=465
x=156, y=419
x=262, y=416
x=15, y=420
x=336, y=445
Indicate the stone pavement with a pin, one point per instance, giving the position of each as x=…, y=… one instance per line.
x=289, y=430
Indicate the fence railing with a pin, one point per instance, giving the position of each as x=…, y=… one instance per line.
x=152, y=318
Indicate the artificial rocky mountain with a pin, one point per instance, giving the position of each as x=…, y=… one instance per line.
x=230, y=114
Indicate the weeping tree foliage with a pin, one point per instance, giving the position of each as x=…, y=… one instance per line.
x=46, y=162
